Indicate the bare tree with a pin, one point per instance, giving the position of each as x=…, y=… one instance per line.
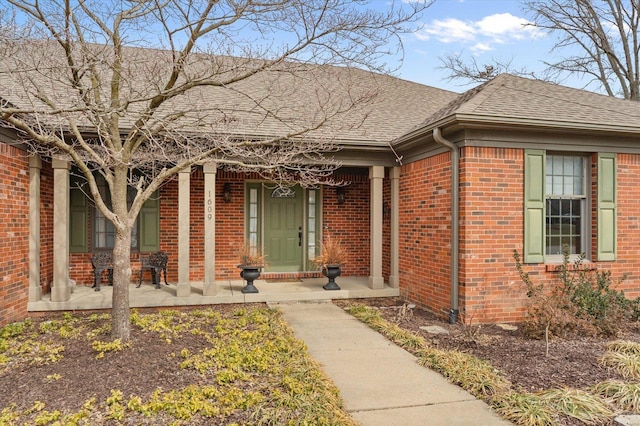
x=604, y=35
x=599, y=37
x=138, y=91
x=472, y=72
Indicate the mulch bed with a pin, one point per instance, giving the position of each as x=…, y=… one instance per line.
x=572, y=362
x=146, y=365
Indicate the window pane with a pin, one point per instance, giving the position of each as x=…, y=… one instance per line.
x=104, y=234
x=564, y=211
x=567, y=166
x=253, y=217
x=575, y=207
x=553, y=245
x=557, y=165
x=564, y=229
x=578, y=166
x=557, y=185
x=568, y=185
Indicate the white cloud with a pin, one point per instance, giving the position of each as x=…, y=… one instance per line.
x=448, y=31
x=481, y=48
x=505, y=25
x=497, y=28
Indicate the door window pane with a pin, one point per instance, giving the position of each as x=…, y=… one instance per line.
x=312, y=236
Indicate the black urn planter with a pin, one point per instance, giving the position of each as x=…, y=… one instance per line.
x=331, y=272
x=249, y=273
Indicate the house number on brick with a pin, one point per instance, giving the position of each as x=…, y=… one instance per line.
x=209, y=206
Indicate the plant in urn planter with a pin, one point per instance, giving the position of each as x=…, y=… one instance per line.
x=330, y=260
x=251, y=262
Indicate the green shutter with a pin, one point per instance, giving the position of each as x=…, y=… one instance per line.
x=150, y=224
x=606, y=206
x=534, y=205
x=78, y=214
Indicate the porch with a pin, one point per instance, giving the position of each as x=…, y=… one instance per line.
x=228, y=291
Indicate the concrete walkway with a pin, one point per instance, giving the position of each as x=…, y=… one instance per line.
x=380, y=383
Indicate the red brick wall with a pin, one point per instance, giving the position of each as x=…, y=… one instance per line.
x=425, y=243
x=229, y=225
x=169, y=226
x=491, y=228
x=196, y=227
x=46, y=226
x=386, y=228
x=350, y=222
x=14, y=234
x=628, y=216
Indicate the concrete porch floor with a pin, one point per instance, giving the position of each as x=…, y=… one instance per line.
x=85, y=298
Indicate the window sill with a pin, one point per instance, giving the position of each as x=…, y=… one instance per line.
x=584, y=266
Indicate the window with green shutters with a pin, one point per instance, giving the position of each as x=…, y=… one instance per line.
x=557, y=212
x=144, y=236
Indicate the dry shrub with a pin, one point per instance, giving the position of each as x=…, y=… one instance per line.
x=332, y=252
x=582, y=301
x=249, y=255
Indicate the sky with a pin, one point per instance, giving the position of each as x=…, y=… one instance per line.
x=482, y=29
x=485, y=30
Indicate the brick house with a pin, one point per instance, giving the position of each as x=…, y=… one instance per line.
x=513, y=164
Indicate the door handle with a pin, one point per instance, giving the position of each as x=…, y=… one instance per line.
x=299, y=236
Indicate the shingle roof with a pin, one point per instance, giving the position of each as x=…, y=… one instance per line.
x=508, y=98
x=399, y=107
x=238, y=108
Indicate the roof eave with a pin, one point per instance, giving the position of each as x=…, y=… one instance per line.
x=485, y=121
x=476, y=121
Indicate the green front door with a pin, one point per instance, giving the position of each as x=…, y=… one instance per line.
x=283, y=242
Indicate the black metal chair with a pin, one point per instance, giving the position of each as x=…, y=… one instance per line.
x=101, y=262
x=156, y=263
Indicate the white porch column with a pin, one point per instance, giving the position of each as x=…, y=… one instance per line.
x=184, y=194
x=376, y=176
x=209, y=286
x=60, y=290
x=394, y=277
x=35, y=291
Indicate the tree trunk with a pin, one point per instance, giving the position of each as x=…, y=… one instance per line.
x=121, y=326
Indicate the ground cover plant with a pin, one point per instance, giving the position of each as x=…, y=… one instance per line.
x=221, y=365
x=239, y=364
x=582, y=379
